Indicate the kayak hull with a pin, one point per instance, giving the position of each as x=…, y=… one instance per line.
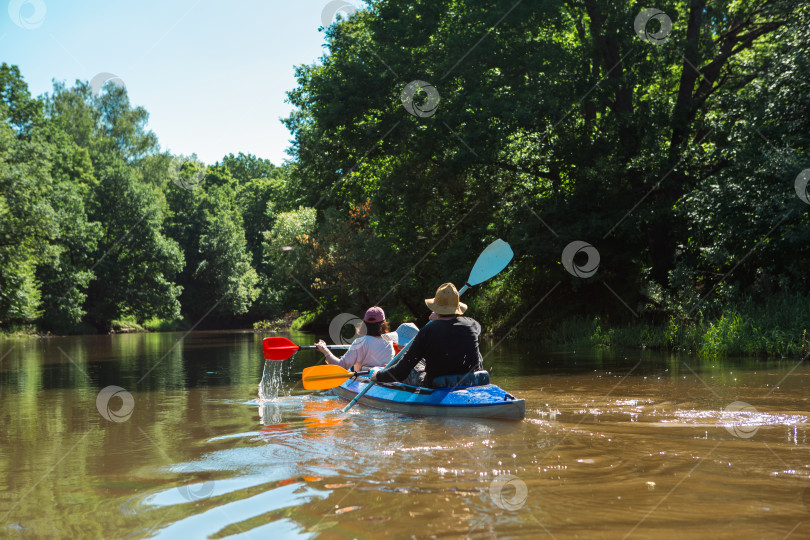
x=488, y=401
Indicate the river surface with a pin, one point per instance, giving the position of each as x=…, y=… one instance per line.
x=637, y=445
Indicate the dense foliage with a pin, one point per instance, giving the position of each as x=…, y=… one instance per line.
x=556, y=122
x=675, y=158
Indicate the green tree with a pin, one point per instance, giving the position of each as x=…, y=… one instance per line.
x=226, y=266
x=286, y=269
x=219, y=279
x=135, y=263
x=246, y=167
x=260, y=191
x=47, y=235
x=65, y=270
x=25, y=225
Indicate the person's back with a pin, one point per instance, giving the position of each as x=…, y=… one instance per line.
x=449, y=346
x=368, y=351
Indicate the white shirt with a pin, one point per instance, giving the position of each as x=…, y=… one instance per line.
x=367, y=352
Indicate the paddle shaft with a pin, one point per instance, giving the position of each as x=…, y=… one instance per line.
x=340, y=376
x=313, y=347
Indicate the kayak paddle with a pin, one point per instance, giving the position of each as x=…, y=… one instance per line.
x=489, y=264
x=281, y=348
x=326, y=377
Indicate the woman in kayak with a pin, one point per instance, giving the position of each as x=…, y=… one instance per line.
x=368, y=351
x=448, y=345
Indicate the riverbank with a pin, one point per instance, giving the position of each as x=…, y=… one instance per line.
x=132, y=326
x=120, y=326
x=779, y=327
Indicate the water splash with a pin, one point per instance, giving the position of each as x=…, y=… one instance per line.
x=272, y=383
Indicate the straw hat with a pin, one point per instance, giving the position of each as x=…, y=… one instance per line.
x=446, y=301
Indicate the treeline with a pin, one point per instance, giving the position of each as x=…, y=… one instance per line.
x=672, y=154
x=97, y=224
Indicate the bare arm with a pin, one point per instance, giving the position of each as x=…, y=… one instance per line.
x=330, y=357
x=352, y=356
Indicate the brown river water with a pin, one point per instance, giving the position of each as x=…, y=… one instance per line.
x=633, y=445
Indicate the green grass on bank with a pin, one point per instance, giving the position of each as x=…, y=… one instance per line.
x=155, y=324
x=777, y=327
x=303, y=320
x=20, y=330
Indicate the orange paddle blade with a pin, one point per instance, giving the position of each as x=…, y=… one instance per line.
x=324, y=377
x=278, y=348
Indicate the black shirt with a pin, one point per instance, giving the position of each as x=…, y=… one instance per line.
x=449, y=347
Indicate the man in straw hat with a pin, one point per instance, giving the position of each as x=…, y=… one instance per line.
x=448, y=345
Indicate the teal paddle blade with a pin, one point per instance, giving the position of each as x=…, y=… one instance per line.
x=491, y=261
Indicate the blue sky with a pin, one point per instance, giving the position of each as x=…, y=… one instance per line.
x=212, y=74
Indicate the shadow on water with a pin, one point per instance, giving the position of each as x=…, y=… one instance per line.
x=220, y=443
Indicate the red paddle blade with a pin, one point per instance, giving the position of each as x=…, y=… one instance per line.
x=278, y=348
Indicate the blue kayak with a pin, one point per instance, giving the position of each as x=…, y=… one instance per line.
x=487, y=401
